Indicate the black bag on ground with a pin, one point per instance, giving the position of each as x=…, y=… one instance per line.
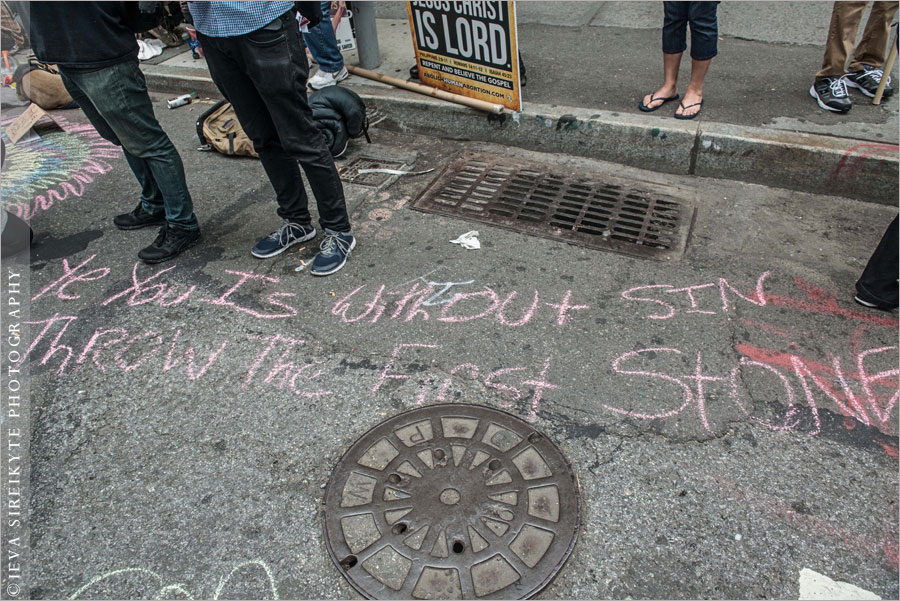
x=340, y=114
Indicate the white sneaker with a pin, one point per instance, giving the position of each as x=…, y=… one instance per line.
x=323, y=79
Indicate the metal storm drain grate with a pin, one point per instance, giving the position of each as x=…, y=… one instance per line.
x=634, y=218
x=451, y=502
x=350, y=173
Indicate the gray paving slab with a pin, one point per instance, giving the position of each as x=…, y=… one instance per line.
x=574, y=14
x=164, y=471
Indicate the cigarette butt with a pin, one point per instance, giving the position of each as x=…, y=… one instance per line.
x=302, y=262
x=301, y=250
x=332, y=293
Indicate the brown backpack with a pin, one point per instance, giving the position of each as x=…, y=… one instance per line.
x=42, y=85
x=219, y=129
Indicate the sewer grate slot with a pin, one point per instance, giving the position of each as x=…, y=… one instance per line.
x=451, y=502
x=350, y=172
x=636, y=218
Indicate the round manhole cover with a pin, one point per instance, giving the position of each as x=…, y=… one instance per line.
x=451, y=502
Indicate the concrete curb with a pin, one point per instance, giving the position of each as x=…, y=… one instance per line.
x=857, y=169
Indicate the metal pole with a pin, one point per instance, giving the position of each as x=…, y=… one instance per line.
x=366, y=34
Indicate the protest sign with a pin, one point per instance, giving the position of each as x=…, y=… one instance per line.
x=468, y=48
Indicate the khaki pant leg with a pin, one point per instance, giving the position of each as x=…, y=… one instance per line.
x=872, y=48
x=845, y=18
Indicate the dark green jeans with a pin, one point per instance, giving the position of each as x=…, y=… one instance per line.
x=116, y=102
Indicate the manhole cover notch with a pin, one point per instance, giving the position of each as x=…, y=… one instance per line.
x=451, y=502
x=640, y=219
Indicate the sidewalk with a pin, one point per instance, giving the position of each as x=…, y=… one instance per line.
x=759, y=123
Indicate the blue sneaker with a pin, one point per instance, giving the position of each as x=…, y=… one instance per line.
x=335, y=249
x=282, y=239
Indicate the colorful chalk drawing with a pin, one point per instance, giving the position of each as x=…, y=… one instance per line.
x=56, y=167
x=162, y=589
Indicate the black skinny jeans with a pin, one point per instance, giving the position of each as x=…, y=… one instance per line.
x=263, y=75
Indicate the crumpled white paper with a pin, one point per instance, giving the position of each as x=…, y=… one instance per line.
x=469, y=240
x=149, y=48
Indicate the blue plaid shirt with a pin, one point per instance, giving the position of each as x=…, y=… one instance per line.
x=229, y=19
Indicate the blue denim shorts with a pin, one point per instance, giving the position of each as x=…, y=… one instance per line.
x=704, y=29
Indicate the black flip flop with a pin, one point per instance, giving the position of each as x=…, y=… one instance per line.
x=653, y=99
x=684, y=108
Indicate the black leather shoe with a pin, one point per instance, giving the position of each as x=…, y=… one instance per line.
x=138, y=218
x=169, y=244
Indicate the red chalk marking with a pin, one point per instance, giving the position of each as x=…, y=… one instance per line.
x=767, y=328
x=97, y=335
x=526, y=316
x=688, y=395
x=490, y=383
x=825, y=303
x=699, y=378
x=387, y=368
x=867, y=379
x=447, y=381
x=138, y=287
x=421, y=294
x=416, y=309
x=244, y=277
x=792, y=406
x=273, y=340
x=807, y=368
x=890, y=449
x=540, y=385
x=859, y=160
x=564, y=307
x=629, y=295
x=190, y=369
x=760, y=295
x=124, y=365
x=815, y=526
x=690, y=292
x=55, y=346
x=68, y=277
x=459, y=298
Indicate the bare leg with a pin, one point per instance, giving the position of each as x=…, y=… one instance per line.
x=671, y=62
x=694, y=92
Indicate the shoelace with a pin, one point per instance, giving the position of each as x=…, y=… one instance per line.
x=332, y=243
x=839, y=87
x=876, y=74
x=163, y=234
x=283, y=234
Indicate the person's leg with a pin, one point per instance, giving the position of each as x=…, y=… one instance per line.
x=674, y=43
x=276, y=62
x=704, y=46
x=229, y=72
x=877, y=286
x=873, y=46
x=322, y=43
x=845, y=18
x=151, y=197
x=119, y=94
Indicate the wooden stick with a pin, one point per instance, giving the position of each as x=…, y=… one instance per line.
x=427, y=90
x=886, y=73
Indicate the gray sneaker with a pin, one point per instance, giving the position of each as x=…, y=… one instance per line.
x=867, y=81
x=831, y=94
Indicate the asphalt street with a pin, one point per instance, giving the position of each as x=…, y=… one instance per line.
x=730, y=415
